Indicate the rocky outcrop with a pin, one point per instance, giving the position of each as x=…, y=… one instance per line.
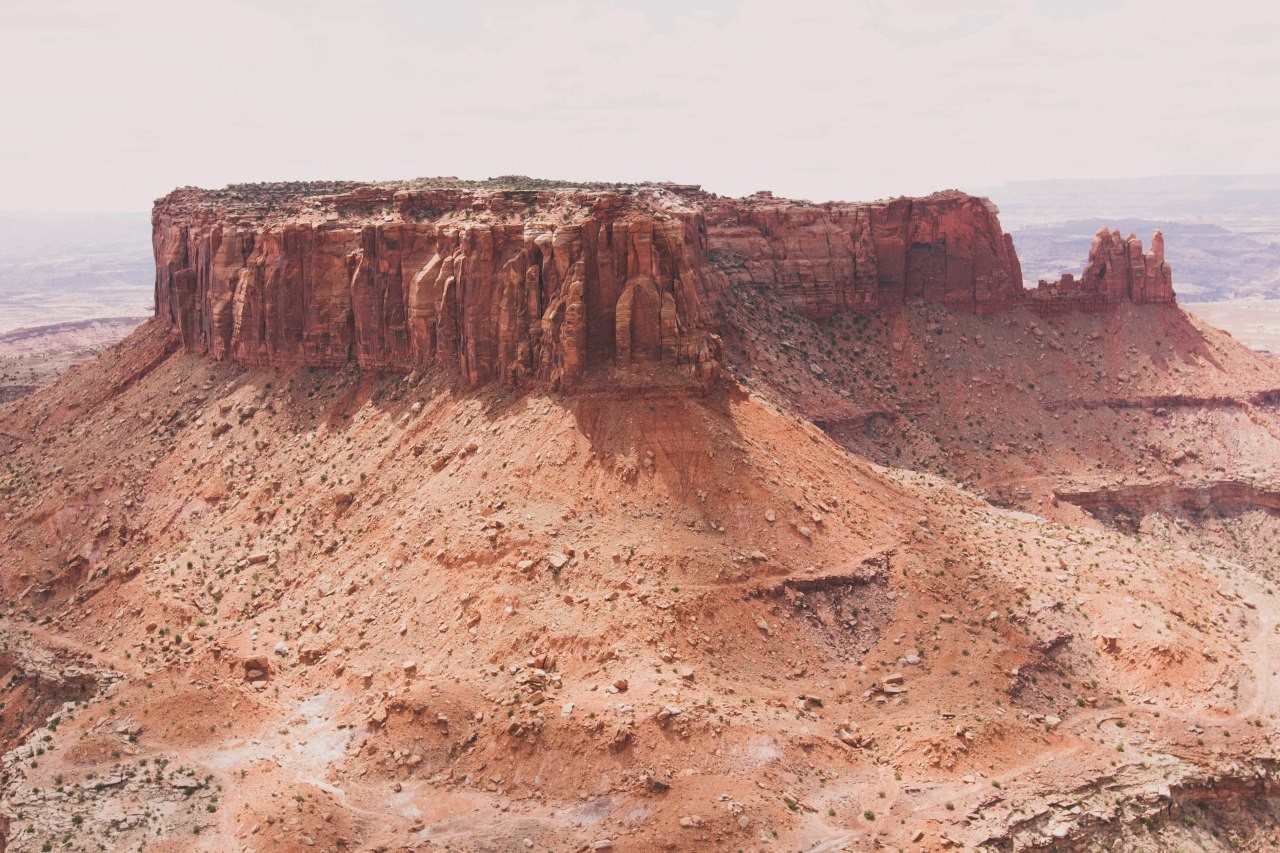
x=518, y=281
x=1124, y=505
x=503, y=286
x=1117, y=270
x=947, y=248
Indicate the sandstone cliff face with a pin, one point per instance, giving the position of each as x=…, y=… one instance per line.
x=947, y=248
x=517, y=285
x=394, y=279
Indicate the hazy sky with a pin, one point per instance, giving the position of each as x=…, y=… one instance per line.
x=106, y=105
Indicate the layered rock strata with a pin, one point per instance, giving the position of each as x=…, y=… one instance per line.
x=947, y=248
x=394, y=279
x=513, y=284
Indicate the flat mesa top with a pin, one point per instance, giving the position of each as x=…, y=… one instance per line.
x=294, y=191
x=508, y=195
x=412, y=199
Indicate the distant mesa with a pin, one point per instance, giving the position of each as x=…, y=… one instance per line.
x=516, y=280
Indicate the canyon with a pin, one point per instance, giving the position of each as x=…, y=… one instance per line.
x=519, y=515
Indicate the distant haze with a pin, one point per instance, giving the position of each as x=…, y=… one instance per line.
x=1222, y=234
x=1245, y=203
x=62, y=267
x=108, y=105
x=1209, y=262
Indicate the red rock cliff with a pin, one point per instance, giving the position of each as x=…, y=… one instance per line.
x=504, y=285
x=516, y=284
x=945, y=248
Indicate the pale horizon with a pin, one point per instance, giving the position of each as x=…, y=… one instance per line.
x=110, y=107
x=980, y=191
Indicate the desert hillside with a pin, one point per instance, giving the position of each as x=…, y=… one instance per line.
x=513, y=517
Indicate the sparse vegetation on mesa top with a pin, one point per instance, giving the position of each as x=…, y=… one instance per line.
x=524, y=182
x=281, y=190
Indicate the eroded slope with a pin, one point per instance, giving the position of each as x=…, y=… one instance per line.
x=352, y=611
